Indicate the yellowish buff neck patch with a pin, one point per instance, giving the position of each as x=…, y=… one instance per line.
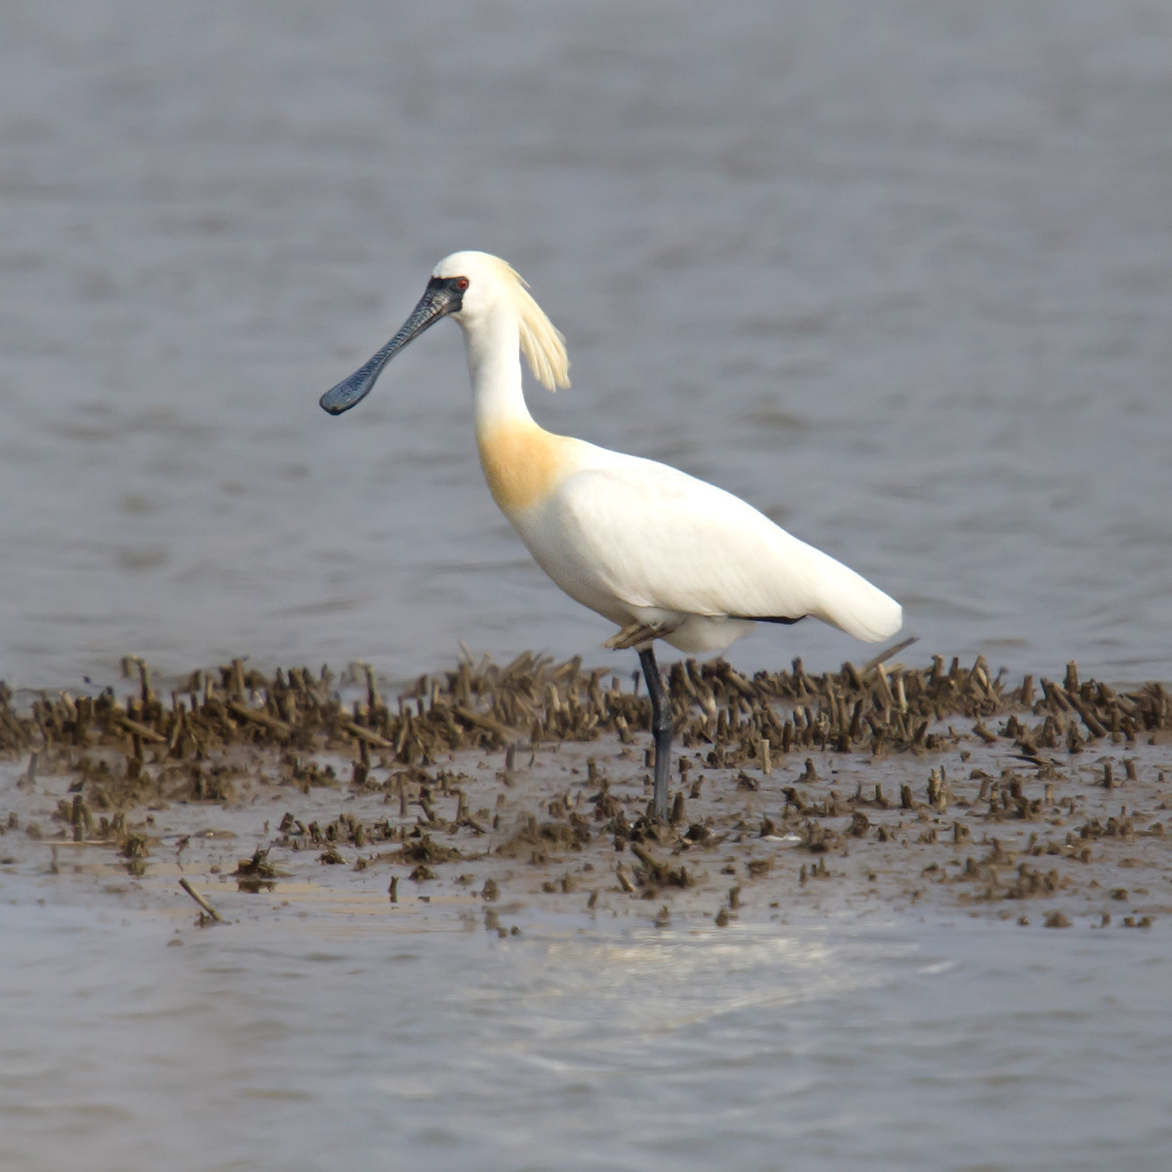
x=522, y=463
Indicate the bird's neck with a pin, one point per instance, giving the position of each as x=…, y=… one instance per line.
x=493, y=345
x=522, y=462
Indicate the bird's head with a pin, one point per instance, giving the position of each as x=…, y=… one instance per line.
x=470, y=287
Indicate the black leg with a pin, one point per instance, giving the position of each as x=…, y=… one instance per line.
x=660, y=728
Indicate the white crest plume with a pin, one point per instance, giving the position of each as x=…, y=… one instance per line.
x=541, y=341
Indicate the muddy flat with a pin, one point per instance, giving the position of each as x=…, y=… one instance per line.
x=486, y=792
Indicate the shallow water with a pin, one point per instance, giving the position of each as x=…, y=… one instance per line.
x=901, y=274
x=898, y=273
x=332, y=1043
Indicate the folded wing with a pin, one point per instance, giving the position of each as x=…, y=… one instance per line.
x=656, y=537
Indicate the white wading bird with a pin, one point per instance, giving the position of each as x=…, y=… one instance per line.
x=659, y=553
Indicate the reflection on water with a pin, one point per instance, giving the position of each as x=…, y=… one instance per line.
x=326, y=1044
x=901, y=277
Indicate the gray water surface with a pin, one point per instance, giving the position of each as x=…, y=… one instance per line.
x=898, y=273
x=579, y=1046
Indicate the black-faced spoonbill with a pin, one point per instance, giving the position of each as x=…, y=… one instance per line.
x=659, y=553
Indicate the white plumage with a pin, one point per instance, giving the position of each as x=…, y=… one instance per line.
x=659, y=553
x=641, y=542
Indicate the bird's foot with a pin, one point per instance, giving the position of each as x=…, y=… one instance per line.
x=638, y=634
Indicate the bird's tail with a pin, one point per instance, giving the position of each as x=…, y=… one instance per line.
x=850, y=602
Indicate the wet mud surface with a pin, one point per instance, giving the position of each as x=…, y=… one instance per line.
x=489, y=793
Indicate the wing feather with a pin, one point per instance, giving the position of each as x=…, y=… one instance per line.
x=655, y=537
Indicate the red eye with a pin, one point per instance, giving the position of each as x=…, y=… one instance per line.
x=461, y=283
